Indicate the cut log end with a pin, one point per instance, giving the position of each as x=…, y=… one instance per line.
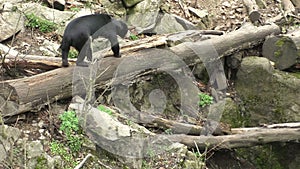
x=254, y=16
x=281, y=50
x=252, y=9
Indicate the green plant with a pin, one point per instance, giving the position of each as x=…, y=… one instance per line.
x=73, y=139
x=205, y=99
x=168, y=131
x=72, y=53
x=36, y=22
x=60, y=149
x=199, y=157
x=75, y=9
x=104, y=109
x=57, y=148
x=41, y=163
x=88, y=4
x=133, y=37
x=69, y=122
x=129, y=122
x=70, y=126
x=74, y=143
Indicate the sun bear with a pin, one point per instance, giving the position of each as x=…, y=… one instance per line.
x=79, y=31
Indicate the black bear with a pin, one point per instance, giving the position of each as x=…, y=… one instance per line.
x=79, y=31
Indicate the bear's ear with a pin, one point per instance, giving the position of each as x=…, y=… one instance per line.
x=121, y=28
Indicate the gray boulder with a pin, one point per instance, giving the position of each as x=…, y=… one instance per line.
x=269, y=95
x=58, y=17
x=37, y=158
x=169, y=24
x=144, y=16
x=8, y=136
x=113, y=7
x=11, y=21
x=187, y=25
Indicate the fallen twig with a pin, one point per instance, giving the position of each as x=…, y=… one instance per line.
x=83, y=161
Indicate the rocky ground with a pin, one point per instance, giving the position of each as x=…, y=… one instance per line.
x=221, y=15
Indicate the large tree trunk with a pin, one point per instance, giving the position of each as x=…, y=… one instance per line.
x=21, y=95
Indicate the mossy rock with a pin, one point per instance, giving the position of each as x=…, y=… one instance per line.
x=268, y=95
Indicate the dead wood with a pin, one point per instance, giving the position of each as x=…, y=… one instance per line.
x=32, y=93
x=191, y=36
x=247, y=139
x=184, y=8
x=271, y=126
x=246, y=37
x=175, y=127
x=283, y=49
x=252, y=9
x=21, y=95
x=284, y=125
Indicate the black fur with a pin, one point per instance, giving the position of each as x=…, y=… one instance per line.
x=79, y=30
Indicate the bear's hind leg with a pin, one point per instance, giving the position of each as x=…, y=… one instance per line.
x=85, y=51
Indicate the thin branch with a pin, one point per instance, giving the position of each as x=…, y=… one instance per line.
x=83, y=161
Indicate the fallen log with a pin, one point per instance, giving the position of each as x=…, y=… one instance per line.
x=271, y=126
x=247, y=139
x=31, y=93
x=150, y=121
x=191, y=36
x=282, y=49
x=247, y=37
x=252, y=9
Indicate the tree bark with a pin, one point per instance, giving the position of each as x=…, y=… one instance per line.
x=282, y=49
x=21, y=95
x=32, y=93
